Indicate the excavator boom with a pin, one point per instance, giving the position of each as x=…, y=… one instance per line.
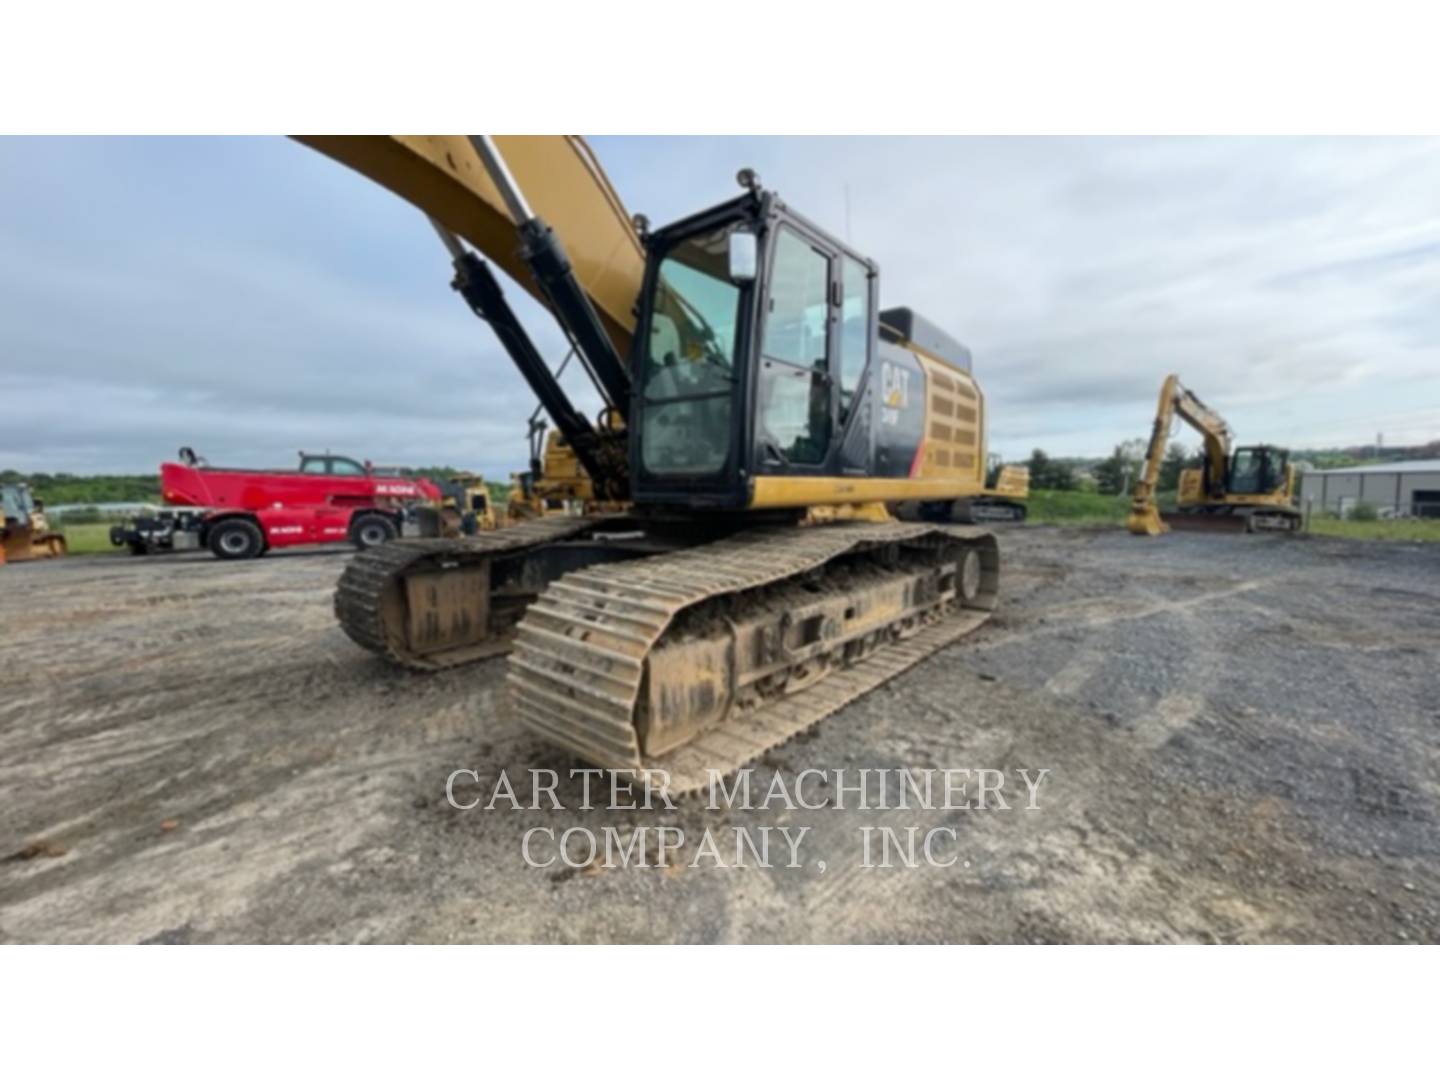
x=542, y=210
x=444, y=176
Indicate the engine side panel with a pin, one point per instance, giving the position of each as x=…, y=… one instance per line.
x=898, y=411
x=919, y=433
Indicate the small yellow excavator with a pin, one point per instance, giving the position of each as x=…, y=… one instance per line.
x=24, y=532
x=1247, y=489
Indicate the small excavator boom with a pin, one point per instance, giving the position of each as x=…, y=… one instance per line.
x=1176, y=400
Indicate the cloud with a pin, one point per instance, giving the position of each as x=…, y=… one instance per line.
x=251, y=298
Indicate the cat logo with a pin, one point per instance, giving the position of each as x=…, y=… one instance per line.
x=894, y=386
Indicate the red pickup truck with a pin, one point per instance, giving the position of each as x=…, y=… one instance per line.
x=242, y=513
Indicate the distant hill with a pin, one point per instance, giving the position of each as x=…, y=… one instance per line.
x=1340, y=457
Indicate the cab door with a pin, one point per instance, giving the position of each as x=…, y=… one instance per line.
x=796, y=390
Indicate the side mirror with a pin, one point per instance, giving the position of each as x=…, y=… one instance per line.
x=744, y=257
x=369, y=468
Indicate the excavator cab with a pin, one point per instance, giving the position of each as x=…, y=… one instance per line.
x=1257, y=470
x=754, y=330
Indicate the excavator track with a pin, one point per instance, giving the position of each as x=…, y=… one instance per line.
x=1246, y=520
x=429, y=604
x=701, y=660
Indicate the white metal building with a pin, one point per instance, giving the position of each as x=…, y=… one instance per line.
x=1408, y=488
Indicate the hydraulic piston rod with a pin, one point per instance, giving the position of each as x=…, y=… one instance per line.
x=543, y=253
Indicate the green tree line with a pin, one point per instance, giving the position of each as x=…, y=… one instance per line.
x=58, y=488
x=1113, y=475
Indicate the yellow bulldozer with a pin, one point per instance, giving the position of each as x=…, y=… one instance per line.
x=463, y=509
x=1244, y=489
x=465, y=505
x=24, y=532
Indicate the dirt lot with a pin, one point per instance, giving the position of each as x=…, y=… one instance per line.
x=1243, y=735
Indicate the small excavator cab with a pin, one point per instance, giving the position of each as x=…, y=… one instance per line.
x=1257, y=470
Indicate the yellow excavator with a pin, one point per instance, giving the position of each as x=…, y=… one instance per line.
x=24, y=532
x=1249, y=488
x=759, y=415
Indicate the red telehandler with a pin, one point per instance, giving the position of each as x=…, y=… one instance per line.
x=242, y=513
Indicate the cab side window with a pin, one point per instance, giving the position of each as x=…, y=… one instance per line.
x=795, y=328
x=795, y=392
x=854, y=328
x=313, y=466
x=346, y=467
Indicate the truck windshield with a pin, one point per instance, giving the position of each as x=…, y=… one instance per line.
x=689, y=369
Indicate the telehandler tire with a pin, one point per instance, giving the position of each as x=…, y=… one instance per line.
x=372, y=530
x=236, y=539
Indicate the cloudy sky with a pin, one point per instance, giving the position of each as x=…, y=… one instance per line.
x=251, y=298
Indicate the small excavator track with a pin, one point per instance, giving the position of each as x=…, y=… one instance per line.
x=392, y=601
x=701, y=660
x=1236, y=520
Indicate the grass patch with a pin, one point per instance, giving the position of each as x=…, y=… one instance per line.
x=1413, y=530
x=1081, y=508
x=89, y=539
x=1076, y=508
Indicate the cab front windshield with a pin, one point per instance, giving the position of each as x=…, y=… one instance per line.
x=1256, y=470
x=690, y=358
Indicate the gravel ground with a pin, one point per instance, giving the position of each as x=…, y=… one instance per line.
x=1241, y=734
